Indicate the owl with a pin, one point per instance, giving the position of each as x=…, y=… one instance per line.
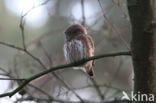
x=79, y=45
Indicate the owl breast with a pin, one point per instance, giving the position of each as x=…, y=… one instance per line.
x=74, y=50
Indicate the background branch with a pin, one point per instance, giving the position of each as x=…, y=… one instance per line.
x=62, y=67
x=40, y=54
x=113, y=26
x=83, y=13
x=18, y=79
x=113, y=100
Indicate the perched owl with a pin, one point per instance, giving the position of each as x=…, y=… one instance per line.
x=79, y=45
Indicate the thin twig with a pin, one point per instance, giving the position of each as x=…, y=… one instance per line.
x=113, y=26
x=22, y=32
x=112, y=100
x=83, y=13
x=36, y=6
x=114, y=77
x=46, y=54
x=17, y=79
x=24, y=50
x=62, y=67
x=29, y=79
x=11, y=46
x=102, y=85
x=40, y=90
x=35, y=58
x=97, y=88
x=119, y=6
x=21, y=25
x=24, y=45
x=67, y=86
x=3, y=74
x=30, y=85
x=55, y=75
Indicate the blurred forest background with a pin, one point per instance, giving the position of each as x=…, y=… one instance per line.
x=43, y=23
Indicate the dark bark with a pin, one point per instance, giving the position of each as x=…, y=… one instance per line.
x=143, y=45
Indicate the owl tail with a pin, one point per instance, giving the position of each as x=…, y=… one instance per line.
x=90, y=71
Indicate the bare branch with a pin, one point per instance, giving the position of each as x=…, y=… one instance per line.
x=24, y=50
x=121, y=9
x=54, y=74
x=62, y=67
x=113, y=26
x=113, y=100
x=67, y=86
x=22, y=32
x=39, y=61
x=102, y=85
x=17, y=79
x=22, y=22
x=32, y=56
x=114, y=77
x=36, y=6
x=83, y=13
x=30, y=85
x=36, y=59
x=97, y=88
x=28, y=80
x=11, y=46
x=46, y=54
x=40, y=90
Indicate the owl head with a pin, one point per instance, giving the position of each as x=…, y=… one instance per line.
x=74, y=30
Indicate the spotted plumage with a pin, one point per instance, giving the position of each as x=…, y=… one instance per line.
x=79, y=45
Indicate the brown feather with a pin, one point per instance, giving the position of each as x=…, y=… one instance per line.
x=79, y=45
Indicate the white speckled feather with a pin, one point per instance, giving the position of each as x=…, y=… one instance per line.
x=74, y=50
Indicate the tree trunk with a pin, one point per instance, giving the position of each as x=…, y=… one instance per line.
x=143, y=45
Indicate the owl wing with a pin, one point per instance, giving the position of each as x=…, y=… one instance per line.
x=92, y=48
x=89, y=44
x=75, y=50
